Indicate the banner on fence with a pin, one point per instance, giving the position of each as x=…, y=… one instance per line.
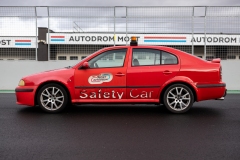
x=143, y=39
x=17, y=42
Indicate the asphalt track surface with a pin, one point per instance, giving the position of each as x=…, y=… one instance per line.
x=210, y=130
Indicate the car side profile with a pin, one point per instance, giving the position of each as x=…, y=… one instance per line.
x=127, y=74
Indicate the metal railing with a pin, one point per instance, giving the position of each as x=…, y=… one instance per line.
x=75, y=32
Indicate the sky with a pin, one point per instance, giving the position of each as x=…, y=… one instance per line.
x=120, y=3
x=54, y=24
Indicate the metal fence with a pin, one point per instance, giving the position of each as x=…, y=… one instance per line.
x=16, y=25
x=75, y=32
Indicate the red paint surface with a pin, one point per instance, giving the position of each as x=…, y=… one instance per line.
x=139, y=84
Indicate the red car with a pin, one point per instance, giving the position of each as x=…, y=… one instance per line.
x=127, y=74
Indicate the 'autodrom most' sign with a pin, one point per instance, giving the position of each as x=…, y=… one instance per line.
x=17, y=42
x=144, y=39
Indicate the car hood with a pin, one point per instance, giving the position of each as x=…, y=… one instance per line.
x=50, y=75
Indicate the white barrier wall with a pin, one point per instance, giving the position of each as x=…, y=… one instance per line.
x=12, y=71
x=231, y=74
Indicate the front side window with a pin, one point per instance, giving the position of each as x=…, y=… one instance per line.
x=109, y=59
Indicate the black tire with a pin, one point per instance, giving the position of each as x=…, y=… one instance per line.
x=178, y=98
x=52, y=98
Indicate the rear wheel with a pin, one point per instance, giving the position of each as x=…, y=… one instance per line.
x=52, y=98
x=178, y=98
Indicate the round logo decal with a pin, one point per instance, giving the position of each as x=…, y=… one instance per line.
x=99, y=79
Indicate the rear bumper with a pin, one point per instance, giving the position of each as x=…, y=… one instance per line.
x=225, y=93
x=25, y=95
x=223, y=97
x=211, y=91
x=211, y=85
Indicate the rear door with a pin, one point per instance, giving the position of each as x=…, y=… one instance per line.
x=147, y=71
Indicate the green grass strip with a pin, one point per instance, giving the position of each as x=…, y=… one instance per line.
x=7, y=91
x=233, y=92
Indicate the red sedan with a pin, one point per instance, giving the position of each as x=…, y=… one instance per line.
x=127, y=74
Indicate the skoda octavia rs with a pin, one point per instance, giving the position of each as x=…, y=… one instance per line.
x=127, y=74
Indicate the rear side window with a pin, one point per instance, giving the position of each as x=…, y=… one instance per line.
x=145, y=57
x=150, y=57
x=168, y=58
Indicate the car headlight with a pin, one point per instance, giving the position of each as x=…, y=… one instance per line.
x=21, y=83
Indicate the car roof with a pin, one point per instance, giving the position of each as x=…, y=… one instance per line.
x=140, y=46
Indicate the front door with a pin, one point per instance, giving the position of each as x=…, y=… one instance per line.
x=105, y=80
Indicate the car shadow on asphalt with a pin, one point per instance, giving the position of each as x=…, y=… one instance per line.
x=150, y=110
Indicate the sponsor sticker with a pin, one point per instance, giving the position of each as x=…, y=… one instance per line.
x=99, y=79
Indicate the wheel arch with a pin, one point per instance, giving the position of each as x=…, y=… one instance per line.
x=55, y=82
x=178, y=82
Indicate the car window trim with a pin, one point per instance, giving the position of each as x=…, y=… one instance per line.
x=146, y=49
x=155, y=58
x=108, y=67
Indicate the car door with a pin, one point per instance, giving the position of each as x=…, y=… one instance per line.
x=148, y=70
x=105, y=80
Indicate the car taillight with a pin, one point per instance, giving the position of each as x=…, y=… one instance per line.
x=220, y=72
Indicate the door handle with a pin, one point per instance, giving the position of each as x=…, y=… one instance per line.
x=167, y=72
x=119, y=74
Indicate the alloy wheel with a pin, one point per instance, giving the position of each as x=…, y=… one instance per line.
x=52, y=98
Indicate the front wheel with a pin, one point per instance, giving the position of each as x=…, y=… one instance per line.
x=178, y=98
x=52, y=98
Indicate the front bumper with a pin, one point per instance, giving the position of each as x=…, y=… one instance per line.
x=25, y=95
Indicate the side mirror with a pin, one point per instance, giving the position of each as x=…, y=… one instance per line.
x=85, y=65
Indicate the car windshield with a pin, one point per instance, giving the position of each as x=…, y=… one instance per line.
x=83, y=59
x=75, y=63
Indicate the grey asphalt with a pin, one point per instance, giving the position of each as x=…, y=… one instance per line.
x=210, y=130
